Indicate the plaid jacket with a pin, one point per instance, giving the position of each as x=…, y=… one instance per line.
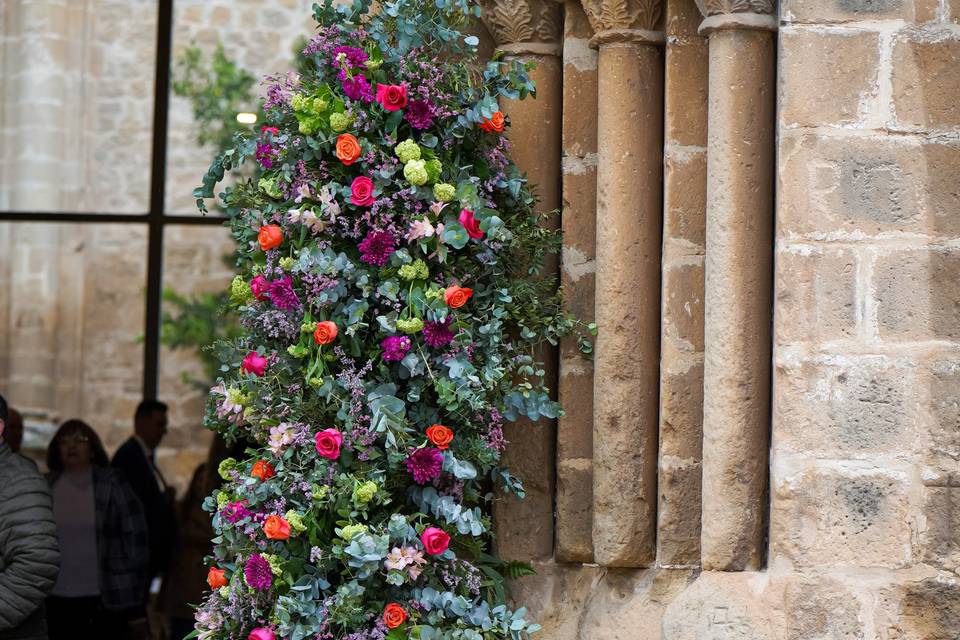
x=121, y=539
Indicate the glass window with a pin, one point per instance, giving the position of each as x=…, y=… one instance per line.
x=71, y=326
x=76, y=105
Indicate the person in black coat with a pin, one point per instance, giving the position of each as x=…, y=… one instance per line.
x=135, y=458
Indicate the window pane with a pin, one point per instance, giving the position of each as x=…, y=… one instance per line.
x=198, y=267
x=76, y=105
x=259, y=39
x=72, y=298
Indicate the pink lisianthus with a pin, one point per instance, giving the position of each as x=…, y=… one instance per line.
x=260, y=286
x=261, y=633
x=328, y=443
x=254, y=363
x=471, y=224
x=420, y=229
x=435, y=541
x=392, y=97
x=361, y=191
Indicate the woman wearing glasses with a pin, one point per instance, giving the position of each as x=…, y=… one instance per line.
x=103, y=538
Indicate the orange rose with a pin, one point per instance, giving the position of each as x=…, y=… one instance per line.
x=456, y=297
x=216, y=578
x=276, y=528
x=493, y=124
x=262, y=470
x=325, y=333
x=270, y=237
x=440, y=436
x=394, y=615
x=348, y=148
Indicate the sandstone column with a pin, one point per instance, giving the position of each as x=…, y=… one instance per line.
x=578, y=267
x=629, y=146
x=531, y=30
x=681, y=331
x=737, y=351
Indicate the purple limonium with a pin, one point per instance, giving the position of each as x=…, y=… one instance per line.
x=438, y=334
x=258, y=573
x=377, y=247
x=424, y=464
x=419, y=114
x=282, y=294
x=395, y=348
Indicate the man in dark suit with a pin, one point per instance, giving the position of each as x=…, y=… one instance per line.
x=135, y=458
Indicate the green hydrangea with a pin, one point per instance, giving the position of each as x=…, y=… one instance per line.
x=300, y=102
x=287, y=263
x=225, y=467
x=372, y=64
x=222, y=497
x=295, y=520
x=415, y=172
x=351, y=530
x=298, y=351
x=269, y=187
x=240, y=292
x=319, y=491
x=407, y=150
x=308, y=126
x=416, y=271
x=364, y=492
x=319, y=105
x=276, y=563
x=444, y=192
x=308, y=327
x=225, y=591
x=339, y=122
x=235, y=396
x=410, y=326
x=434, y=167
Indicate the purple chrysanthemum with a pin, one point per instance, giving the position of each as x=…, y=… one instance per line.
x=353, y=55
x=438, y=334
x=419, y=114
x=258, y=573
x=395, y=348
x=377, y=247
x=424, y=464
x=282, y=294
x=357, y=88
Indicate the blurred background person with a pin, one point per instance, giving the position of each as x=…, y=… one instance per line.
x=103, y=538
x=29, y=554
x=13, y=433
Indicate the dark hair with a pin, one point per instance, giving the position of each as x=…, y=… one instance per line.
x=4, y=411
x=148, y=407
x=54, y=459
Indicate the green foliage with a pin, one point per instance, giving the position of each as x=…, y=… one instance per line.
x=197, y=322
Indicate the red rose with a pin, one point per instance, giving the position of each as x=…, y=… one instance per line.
x=276, y=528
x=493, y=124
x=440, y=436
x=393, y=97
x=328, y=443
x=435, y=541
x=216, y=578
x=254, y=363
x=262, y=470
x=471, y=224
x=270, y=237
x=456, y=297
x=361, y=191
x=325, y=333
x=394, y=615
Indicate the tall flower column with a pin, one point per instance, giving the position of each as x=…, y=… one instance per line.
x=738, y=280
x=630, y=135
x=532, y=30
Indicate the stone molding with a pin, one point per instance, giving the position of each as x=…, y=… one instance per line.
x=717, y=7
x=613, y=21
x=525, y=26
x=750, y=15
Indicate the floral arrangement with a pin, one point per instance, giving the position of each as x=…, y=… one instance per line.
x=391, y=303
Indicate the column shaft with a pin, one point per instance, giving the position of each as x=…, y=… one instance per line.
x=630, y=121
x=738, y=281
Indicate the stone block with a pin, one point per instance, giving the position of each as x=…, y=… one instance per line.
x=925, y=80
x=917, y=297
x=941, y=380
x=681, y=404
x=857, y=409
x=920, y=609
x=685, y=200
x=822, y=517
x=867, y=185
x=682, y=304
x=830, y=11
x=722, y=605
x=827, y=78
x=685, y=84
x=814, y=294
x=821, y=609
x=574, y=513
x=940, y=534
x=683, y=19
x=678, y=512
x=579, y=83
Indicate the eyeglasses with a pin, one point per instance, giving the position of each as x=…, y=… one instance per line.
x=76, y=438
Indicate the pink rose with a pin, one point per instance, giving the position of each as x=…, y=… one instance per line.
x=393, y=97
x=261, y=633
x=254, y=363
x=259, y=286
x=471, y=224
x=435, y=541
x=361, y=191
x=328, y=443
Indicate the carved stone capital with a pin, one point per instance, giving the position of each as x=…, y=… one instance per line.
x=624, y=20
x=525, y=26
x=737, y=14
